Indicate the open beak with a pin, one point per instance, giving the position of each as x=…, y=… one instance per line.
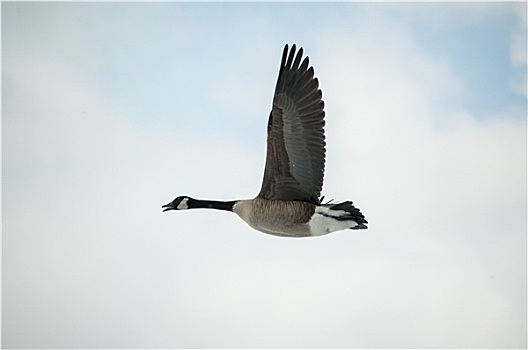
x=167, y=207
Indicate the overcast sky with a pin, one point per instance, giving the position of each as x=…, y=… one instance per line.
x=111, y=110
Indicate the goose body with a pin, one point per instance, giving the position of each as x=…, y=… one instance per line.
x=289, y=203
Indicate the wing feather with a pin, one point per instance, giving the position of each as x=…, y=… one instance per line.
x=296, y=142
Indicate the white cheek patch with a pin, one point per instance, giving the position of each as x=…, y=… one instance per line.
x=183, y=205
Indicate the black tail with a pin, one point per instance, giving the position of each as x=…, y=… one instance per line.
x=354, y=213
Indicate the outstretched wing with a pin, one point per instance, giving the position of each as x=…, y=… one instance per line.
x=296, y=143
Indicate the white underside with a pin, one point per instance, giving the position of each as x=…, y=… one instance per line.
x=325, y=221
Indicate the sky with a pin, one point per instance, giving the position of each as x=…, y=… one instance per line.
x=110, y=110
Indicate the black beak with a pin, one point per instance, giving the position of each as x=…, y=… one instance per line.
x=167, y=207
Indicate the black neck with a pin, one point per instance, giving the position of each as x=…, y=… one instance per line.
x=197, y=203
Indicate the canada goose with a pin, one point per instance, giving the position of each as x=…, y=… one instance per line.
x=288, y=203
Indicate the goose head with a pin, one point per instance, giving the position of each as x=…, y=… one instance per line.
x=179, y=203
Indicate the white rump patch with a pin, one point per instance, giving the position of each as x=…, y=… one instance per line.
x=325, y=221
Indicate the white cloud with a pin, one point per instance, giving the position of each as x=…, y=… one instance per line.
x=449, y=184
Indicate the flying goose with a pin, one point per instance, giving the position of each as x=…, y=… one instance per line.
x=289, y=203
